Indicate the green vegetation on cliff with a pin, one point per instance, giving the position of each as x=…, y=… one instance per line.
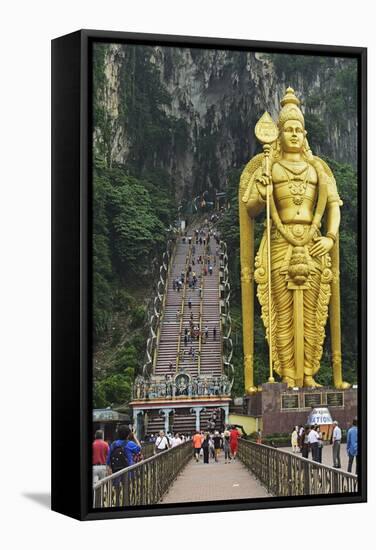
x=133, y=207
x=129, y=233
x=332, y=109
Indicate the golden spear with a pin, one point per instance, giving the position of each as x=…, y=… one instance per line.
x=267, y=132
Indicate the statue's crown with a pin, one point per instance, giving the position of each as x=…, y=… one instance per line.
x=290, y=97
x=290, y=108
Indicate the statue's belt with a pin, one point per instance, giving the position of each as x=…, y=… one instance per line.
x=296, y=233
x=282, y=249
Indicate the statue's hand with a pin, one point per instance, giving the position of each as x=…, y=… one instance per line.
x=264, y=184
x=321, y=246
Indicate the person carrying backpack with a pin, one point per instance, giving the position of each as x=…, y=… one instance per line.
x=122, y=451
x=161, y=443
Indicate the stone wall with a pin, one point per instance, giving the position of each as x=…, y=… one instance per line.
x=277, y=419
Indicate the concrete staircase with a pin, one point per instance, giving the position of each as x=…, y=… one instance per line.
x=211, y=355
x=170, y=330
x=200, y=305
x=182, y=421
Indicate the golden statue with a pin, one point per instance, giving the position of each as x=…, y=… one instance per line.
x=296, y=267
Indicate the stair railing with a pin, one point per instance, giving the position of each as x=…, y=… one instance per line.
x=202, y=285
x=159, y=302
x=225, y=317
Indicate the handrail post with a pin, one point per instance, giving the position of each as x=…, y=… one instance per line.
x=289, y=474
x=336, y=482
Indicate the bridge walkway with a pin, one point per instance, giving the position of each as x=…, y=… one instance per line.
x=200, y=482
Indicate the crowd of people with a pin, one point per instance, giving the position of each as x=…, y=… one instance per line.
x=309, y=441
x=126, y=449
x=163, y=441
x=207, y=260
x=194, y=332
x=208, y=446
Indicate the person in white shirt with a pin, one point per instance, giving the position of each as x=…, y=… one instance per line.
x=336, y=440
x=313, y=440
x=176, y=440
x=161, y=443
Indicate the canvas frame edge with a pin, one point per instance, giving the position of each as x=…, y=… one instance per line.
x=77, y=371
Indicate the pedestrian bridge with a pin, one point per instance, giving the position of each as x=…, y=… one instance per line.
x=173, y=476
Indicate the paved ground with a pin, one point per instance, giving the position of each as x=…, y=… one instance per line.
x=214, y=481
x=327, y=456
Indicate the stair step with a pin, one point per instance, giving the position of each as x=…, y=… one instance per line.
x=211, y=350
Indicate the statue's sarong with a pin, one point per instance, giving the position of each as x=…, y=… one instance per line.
x=294, y=269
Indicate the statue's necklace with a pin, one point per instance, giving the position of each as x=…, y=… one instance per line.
x=316, y=218
x=297, y=184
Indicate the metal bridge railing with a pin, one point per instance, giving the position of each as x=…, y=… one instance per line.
x=284, y=474
x=147, y=450
x=144, y=483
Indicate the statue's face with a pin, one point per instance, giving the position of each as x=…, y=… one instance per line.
x=292, y=136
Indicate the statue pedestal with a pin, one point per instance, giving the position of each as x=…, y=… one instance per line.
x=281, y=409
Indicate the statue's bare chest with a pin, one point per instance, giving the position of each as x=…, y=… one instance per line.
x=294, y=183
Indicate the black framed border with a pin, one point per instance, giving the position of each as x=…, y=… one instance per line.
x=72, y=277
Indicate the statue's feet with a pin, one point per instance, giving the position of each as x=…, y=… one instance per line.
x=309, y=382
x=342, y=386
x=251, y=390
x=289, y=381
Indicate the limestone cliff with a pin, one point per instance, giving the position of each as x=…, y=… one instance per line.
x=190, y=113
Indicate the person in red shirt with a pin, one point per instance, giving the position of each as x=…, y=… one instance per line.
x=99, y=451
x=234, y=436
